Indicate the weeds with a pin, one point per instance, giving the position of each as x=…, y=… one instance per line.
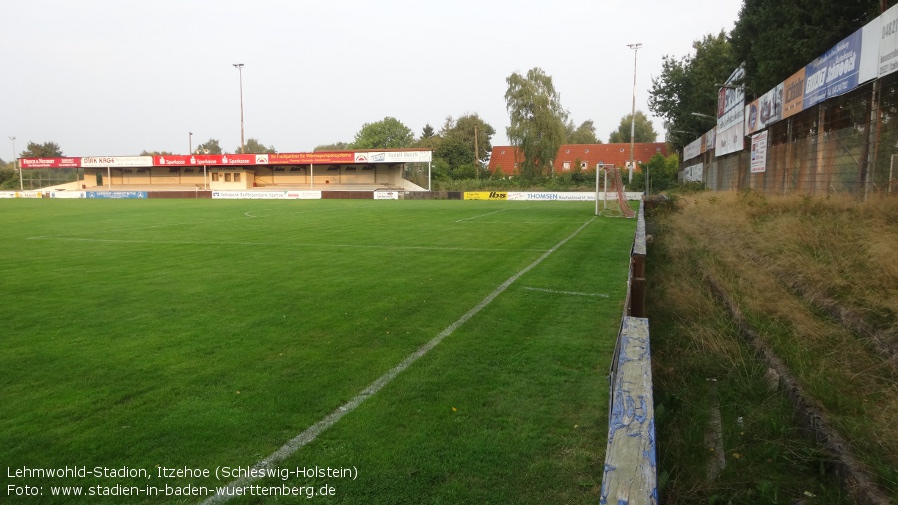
x=779, y=258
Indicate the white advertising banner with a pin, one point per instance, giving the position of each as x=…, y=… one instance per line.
x=730, y=141
x=888, y=42
x=731, y=101
x=693, y=149
x=21, y=194
x=117, y=161
x=386, y=195
x=267, y=195
x=67, y=194
x=759, y=153
x=565, y=196
x=393, y=157
x=869, y=67
x=693, y=173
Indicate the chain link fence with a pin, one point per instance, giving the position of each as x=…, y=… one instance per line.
x=847, y=145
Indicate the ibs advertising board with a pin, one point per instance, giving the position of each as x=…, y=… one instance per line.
x=486, y=195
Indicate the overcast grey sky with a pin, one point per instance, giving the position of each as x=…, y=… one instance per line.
x=115, y=77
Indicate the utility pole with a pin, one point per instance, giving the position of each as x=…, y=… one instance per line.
x=16, y=166
x=476, y=155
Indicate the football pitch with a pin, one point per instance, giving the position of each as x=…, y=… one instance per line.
x=363, y=351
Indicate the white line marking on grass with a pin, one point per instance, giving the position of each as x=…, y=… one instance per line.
x=478, y=217
x=575, y=293
x=247, y=213
x=294, y=244
x=331, y=419
x=509, y=223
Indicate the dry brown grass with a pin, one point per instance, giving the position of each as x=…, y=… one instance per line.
x=792, y=263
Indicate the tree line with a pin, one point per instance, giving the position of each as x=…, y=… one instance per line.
x=772, y=38
x=539, y=125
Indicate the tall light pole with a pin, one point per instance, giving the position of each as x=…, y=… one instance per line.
x=635, y=48
x=189, y=142
x=239, y=67
x=15, y=161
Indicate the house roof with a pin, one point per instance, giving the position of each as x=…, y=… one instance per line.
x=592, y=154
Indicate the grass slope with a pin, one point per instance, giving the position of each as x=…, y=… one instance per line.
x=778, y=257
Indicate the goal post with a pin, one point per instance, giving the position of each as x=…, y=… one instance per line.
x=618, y=207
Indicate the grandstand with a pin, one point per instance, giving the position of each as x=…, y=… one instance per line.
x=401, y=169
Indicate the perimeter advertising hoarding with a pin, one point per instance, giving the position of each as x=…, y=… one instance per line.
x=693, y=149
x=759, y=153
x=29, y=163
x=393, y=157
x=693, y=173
x=764, y=111
x=386, y=195
x=710, y=140
x=793, y=94
x=731, y=115
x=835, y=73
x=267, y=195
x=177, y=160
x=117, y=161
x=312, y=158
x=888, y=42
x=127, y=195
x=486, y=195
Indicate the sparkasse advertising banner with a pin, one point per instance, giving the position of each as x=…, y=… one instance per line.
x=176, y=160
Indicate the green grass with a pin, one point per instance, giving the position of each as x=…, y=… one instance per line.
x=206, y=334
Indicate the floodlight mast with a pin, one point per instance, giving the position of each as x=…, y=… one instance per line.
x=239, y=67
x=635, y=48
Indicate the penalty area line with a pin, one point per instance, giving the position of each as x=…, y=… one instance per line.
x=482, y=215
x=312, y=432
x=574, y=293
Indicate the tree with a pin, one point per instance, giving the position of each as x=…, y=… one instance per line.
x=584, y=134
x=537, y=120
x=211, y=146
x=463, y=130
x=253, y=146
x=155, y=153
x=689, y=84
x=389, y=133
x=644, y=131
x=9, y=178
x=455, y=152
x=45, y=150
x=427, y=132
x=336, y=146
x=775, y=38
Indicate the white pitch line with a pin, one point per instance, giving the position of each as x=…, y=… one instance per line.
x=247, y=213
x=482, y=215
x=295, y=244
x=331, y=419
x=575, y=293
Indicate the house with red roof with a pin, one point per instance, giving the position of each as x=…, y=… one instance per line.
x=584, y=156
